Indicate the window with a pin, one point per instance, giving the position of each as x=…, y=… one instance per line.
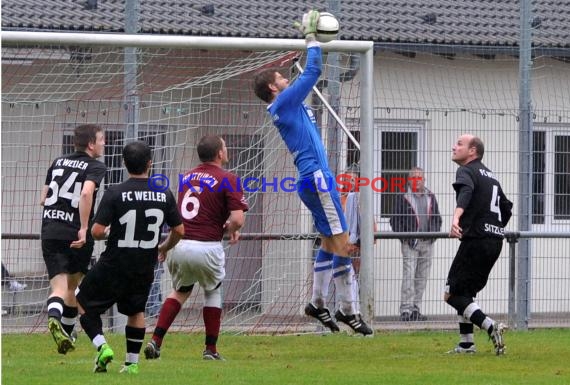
x=155, y=137
x=352, y=153
x=551, y=175
x=113, y=156
x=399, y=153
x=244, y=263
x=538, y=176
x=397, y=146
x=561, y=177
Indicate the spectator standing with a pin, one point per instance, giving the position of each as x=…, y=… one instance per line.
x=11, y=283
x=416, y=210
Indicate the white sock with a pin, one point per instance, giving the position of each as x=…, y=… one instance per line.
x=99, y=340
x=355, y=294
x=487, y=323
x=343, y=285
x=132, y=358
x=322, y=273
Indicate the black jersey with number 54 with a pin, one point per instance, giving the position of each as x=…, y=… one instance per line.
x=489, y=210
x=65, y=179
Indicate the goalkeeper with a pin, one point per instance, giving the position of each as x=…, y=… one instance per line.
x=297, y=126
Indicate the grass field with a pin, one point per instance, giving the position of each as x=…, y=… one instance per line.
x=533, y=357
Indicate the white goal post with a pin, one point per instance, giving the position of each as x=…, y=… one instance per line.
x=21, y=96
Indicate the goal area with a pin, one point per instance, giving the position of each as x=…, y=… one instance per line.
x=169, y=91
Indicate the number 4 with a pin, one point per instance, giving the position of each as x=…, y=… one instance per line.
x=495, y=200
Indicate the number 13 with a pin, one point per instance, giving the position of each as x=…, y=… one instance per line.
x=130, y=218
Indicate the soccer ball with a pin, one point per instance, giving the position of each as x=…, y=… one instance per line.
x=327, y=27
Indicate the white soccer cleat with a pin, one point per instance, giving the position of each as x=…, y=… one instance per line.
x=17, y=286
x=461, y=350
x=497, y=337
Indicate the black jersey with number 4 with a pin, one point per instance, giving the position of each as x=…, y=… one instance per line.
x=489, y=210
x=65, y=179
x=136, y=215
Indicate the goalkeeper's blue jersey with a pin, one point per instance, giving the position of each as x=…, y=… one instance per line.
x=296, y=122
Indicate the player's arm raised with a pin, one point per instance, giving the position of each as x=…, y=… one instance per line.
x=308, y=26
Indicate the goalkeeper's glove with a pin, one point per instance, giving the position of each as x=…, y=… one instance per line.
x=309, y=25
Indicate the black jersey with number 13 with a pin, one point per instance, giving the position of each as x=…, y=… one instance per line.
x=136, y=215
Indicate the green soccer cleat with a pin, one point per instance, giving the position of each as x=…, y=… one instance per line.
x=130, y=369
x=104, y=358
x=63, y=341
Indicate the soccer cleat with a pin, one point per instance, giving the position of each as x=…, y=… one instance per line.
x=63, y=341
x=73, y=336
x=497, y=337
x=130, y=369
x=417, y=316
x=322, y=315
x=104, y=358
x=461, y=350
x=209, y=355
x=355, y=322
x=151, y=351
x=405, y=316
x=17, y=286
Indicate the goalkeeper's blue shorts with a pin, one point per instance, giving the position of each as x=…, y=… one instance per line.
x=320, y=195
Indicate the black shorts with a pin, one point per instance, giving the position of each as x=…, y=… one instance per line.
x=472, y=265
x=104, y=286
x=59, y=257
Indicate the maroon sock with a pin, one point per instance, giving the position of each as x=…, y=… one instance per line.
x=212, y=321
x=168, y=313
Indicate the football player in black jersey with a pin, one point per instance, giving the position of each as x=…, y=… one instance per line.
x=68, y=198
x=481, y=213
x=130, y=217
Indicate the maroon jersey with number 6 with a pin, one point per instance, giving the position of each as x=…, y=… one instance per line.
x=207, y=195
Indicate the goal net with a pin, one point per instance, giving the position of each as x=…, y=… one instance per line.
x=169, y=97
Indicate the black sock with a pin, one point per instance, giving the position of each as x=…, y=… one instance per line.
x=53, y=309
x=478, y=317
x=134, y=337
x=68, y=318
